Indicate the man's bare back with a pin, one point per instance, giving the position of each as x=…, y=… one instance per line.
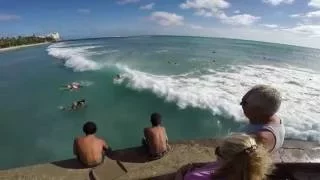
x=89, y=149
x=156, y=139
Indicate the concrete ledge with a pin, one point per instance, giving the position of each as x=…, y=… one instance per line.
x=296, y=159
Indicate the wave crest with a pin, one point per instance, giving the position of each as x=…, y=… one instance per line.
x=74, y=57
x=220, y=91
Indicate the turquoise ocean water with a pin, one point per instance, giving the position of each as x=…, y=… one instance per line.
x=195, y=83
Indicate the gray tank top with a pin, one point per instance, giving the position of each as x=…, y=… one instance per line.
x=277, y=130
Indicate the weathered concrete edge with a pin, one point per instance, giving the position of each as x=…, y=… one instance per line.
x=293, y=151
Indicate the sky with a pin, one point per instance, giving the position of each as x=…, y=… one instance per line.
x=295, y=22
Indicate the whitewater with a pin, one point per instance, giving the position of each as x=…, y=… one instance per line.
x=196, y=81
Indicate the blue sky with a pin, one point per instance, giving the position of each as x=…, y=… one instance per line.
x=284, y=21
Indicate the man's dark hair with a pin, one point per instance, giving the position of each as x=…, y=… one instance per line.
x=89, y=128
x=155, y=119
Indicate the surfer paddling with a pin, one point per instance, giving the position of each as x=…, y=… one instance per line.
x=117, y=77
x=76, y=105
x=73, y=86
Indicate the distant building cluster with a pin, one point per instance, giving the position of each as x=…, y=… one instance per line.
x=54, y=35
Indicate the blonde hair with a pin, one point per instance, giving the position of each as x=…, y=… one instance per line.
x=243, y=159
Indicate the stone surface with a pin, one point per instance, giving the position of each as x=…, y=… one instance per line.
x=297, y=159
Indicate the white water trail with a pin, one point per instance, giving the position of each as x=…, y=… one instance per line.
x=221, y=91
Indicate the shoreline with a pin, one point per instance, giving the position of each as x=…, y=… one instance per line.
x=21, y=46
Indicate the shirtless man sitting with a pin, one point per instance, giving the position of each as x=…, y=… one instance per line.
x=89, y=149
x=156, y=140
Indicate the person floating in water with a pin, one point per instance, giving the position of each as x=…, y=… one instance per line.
x=155, y=138
x=78, y=104
x=72, y=86
x=89, y=149
x=118, y=76
x=75, y=105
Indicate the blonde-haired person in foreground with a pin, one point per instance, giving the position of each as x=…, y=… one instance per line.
x=238, y=158
x=260, y=105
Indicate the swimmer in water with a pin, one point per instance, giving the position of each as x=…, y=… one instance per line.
x=78, y=104
x=72, y=86
x=118, y=76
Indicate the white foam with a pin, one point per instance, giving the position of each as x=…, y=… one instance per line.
x=86, y=83
x=162, y=51
x=221, y=91
x=74, y=57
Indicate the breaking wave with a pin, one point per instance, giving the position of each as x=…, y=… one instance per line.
x=221, y=90
x=77, y=58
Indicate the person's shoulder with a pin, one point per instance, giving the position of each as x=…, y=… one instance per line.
x=102, y=141
x=265, y=137
x=163, y=128
x=264, y=134
x=76, y=139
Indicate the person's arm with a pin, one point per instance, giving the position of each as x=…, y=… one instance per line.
x=75, y=152
x=145, y=133
x=167, y=140
x=107, y=150
x=267, y=139
x=166, y=136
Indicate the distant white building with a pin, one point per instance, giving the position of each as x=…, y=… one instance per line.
x=54, y=35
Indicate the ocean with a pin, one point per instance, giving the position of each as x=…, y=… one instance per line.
x=196, y=83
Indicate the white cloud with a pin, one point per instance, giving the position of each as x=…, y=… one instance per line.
x=241, y=19
x=214, y=8
x=8, y=17
x=295, y=15
x=272, y=26
x=278, y=2
x=193, y=26
x=147, y=6
x=167, y=19
x=310, y=30
x=312, y=14
x=237, y=12
x=204, y=13
x=84, y=11
x=127, y=1
x=205, y=7
x=314, y=3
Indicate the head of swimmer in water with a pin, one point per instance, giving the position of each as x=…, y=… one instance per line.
x=89, y=128
x=82, y=101
x=260, y=103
